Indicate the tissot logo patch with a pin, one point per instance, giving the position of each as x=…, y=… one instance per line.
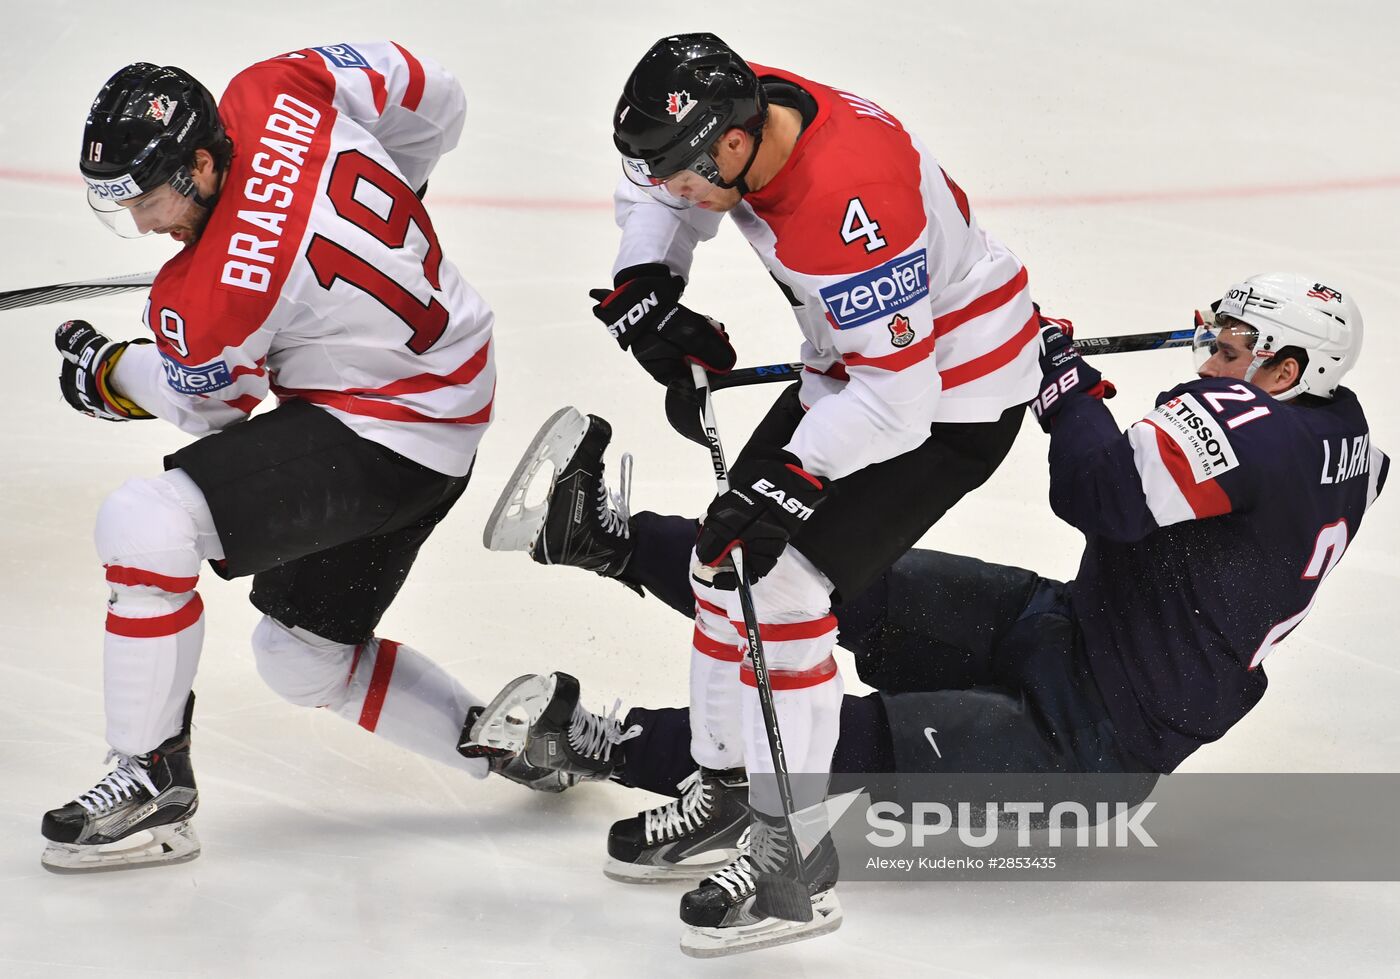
x=1201, y=438
x=877, y=293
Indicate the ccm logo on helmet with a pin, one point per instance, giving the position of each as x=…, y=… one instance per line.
x=789, y=503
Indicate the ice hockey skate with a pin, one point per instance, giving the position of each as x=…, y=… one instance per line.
x=720, y=917
x=540, y=718
x=512, y=764
x=139, y=815
x=688, y=837
x=580, y=522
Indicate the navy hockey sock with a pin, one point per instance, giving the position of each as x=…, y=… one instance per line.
x=865, y=744
x=660, y=560
x=658, y=758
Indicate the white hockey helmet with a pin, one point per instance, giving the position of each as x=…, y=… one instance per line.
x=1290, y=310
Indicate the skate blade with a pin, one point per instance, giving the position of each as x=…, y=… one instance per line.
x=513, y=526
x=505, y=723
x=173, y=843
x=687, y=873
x=711, y=943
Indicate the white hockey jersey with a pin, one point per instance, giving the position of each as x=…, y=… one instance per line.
x=910, y=313
x=319, y=275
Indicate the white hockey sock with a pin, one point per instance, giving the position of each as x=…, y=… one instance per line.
x=149, y=658
x=396, y=692
x=716, y=708
x=151, y=536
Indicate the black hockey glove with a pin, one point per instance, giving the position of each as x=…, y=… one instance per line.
x=1063, y=371
x=770, y=501
x=644, y=315
x=85, y=379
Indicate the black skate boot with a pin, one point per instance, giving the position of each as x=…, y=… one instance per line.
x=512, y=764
x=540, y=718
x=720, y=916
x=139, y=815
x=580, y=523
x=686, y=838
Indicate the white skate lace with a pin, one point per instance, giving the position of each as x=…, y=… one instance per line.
x=614, y=508
x=680, y=816
x=593, y=735
x=737, y=877
x=119, y=785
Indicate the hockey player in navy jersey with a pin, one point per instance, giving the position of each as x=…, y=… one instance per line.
x=1209, y=526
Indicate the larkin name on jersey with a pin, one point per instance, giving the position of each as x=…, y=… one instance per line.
x=319, y=275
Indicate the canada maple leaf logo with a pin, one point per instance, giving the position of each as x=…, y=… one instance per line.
x=901, y=333
x=678, y=104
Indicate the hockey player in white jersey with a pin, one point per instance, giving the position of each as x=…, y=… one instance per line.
x=310, y=270
x=919, y=342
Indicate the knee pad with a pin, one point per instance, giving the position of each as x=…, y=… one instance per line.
x=301, y=667
x=155, y=525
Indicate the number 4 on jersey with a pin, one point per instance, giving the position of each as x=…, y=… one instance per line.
x=857, y=225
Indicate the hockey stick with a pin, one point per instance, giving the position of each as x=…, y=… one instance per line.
x=42, y=295
x=1129, y=343
x=784, y=897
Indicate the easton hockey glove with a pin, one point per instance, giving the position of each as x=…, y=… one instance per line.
x=644, y=315
x=1064, y=372
x=770, y=501
x=85, y=378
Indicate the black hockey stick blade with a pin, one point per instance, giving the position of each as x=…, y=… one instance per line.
x=776, y=896
x=64, y=291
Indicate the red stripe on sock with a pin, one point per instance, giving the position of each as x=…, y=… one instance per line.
x=710, y=607
x=160, y=625
x=379, y=684
x=118, y=575
x=791, y=679
x=784, y=631
x=715, y=649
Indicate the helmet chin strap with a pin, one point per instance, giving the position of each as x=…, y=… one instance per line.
x=739, y=182
x=183, y=182
x=1300, y=386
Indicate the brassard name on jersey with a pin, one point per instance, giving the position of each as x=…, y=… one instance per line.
x=875, y=293
x=197, y=380
x=1187, y=423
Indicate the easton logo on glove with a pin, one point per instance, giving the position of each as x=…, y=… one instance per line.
x=634, y=315
x=785, y=501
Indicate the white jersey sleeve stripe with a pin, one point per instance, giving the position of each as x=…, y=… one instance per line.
x=1164, y=497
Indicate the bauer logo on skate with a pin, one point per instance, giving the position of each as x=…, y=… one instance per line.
x=874, y=294
x=197, y=380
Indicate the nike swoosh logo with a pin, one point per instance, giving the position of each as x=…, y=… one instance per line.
x=929, y=733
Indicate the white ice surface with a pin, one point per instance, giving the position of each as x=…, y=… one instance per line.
x=1138, y=157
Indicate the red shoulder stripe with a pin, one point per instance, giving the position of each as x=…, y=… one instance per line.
x=413, y=94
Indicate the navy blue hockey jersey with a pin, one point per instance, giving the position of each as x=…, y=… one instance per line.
x=1210, y=524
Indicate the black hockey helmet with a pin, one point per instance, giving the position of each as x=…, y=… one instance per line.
x=142, y=131
x=685, y=93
